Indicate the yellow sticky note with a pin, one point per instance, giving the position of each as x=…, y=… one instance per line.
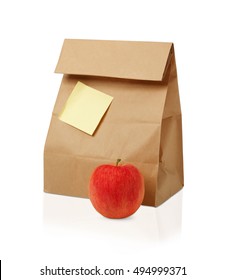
x=85, y=107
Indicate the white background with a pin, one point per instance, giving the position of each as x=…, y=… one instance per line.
x=38, y=229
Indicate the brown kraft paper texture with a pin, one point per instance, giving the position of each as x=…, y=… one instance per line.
x=142, y=126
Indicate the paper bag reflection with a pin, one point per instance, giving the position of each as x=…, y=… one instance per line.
x=77, y=216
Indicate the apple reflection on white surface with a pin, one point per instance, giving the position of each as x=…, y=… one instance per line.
x=63, y=214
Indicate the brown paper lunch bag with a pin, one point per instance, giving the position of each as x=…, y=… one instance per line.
x=142, y=126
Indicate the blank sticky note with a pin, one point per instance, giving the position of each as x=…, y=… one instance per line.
x=85, y=107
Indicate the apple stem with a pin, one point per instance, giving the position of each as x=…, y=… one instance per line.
x=118, y=161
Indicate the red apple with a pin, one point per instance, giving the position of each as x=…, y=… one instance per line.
x=116, y=191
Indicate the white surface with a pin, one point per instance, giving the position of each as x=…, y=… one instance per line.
x=37, y=229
